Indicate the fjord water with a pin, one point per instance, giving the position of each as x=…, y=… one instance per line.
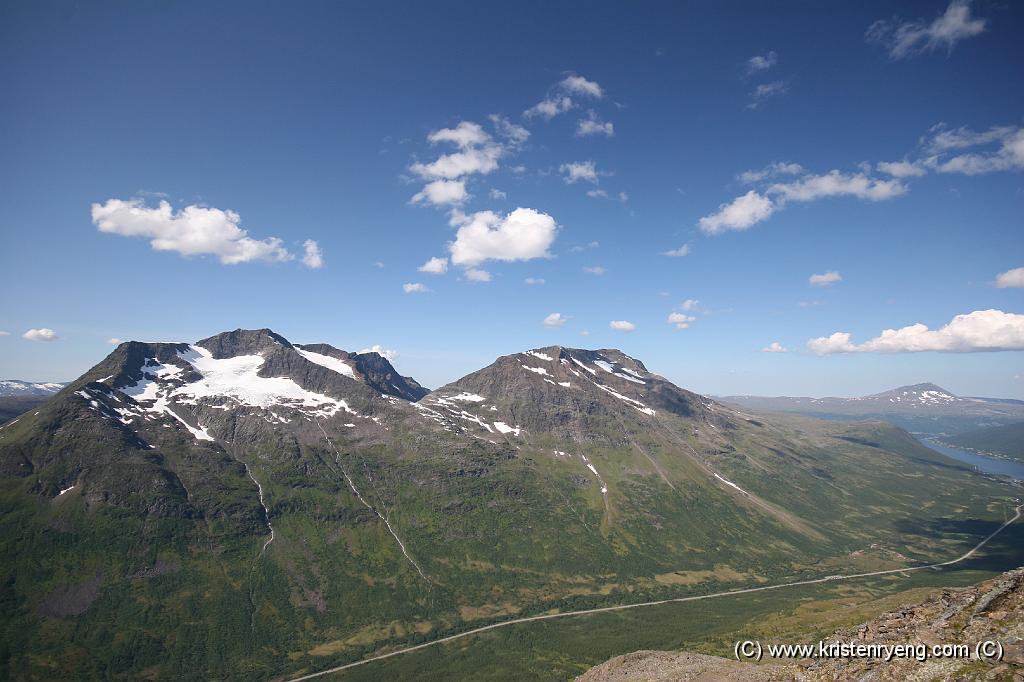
x=989, y=465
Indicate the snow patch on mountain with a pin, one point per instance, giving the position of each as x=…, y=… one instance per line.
x=333, y=364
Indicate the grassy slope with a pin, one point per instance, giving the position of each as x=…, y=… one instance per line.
x=497, y=531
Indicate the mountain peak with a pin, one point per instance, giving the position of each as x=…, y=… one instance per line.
x=243, y=342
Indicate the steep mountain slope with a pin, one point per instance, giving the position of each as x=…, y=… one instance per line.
x=924, y=408
x=293, y=507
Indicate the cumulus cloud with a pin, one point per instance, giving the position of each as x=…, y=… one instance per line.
x=622, y=325
x=442, y=193
x=191, y=231
x=906, y=39
x=578, y=85
x=771, y=170
x=42, y=334
x=312, y=256
x=1008, y=156
x=1010, y=279
x=4, y=333
x=762, y=62
x=835, y=184
x=478, y=153
x=513, y=132
x=555, y=320
x=478, y=275
x=902, y=169
x=386, y=353
x=690, y=304
x=774, y=347
x=683, y=250
x=739, y=214
x=550, y=107
x=592, y=125
x=414, y=288
x=534, y=281
x=753, y=207
x=680, y=320
x=825, y=279
x=114, y=341
x=979, y=331
x=435, y=266
x=594, y=270
x=523, y=234
x=578, y=170
x=560, y=100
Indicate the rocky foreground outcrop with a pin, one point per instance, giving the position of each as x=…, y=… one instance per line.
x=990, y=611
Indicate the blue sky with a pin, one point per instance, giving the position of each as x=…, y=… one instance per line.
x=316, y=124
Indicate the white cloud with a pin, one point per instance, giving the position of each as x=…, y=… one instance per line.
x=579, y=170
x=4, y=333
x=312, y=257
x=584, y=332
x=762, y=62
x=774, y=347
x=42, y=334
x=442, y=193
x=555, y=320
x=592, y=125
x=623, y=197
x=386, y=353
x=594, y=270
x=835, y=183
x=683, y=250
x=378, y=264
x=979, y=331
x=902, y=169
x=740, y=214
x=465, y=135
x=191, y=231
x=114, y=341
x=534, y=281
x=497, y=194
x=771, y=170
x=435, y=266
x=550, y=107
x=414, y=288
x=1010, y=279
x=597, y=194
x=578, y=85
x=690, y=304
x=477, y=275
x=825, y=279
x=622, y=325
x=481, y=160
x=680, y=320
x=514, y=133
x=1009, y=156
x=523, y=234
x=766, y=91
x=905, y=39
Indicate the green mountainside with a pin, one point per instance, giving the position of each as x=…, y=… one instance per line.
x=245, y=508
x=1007, y=440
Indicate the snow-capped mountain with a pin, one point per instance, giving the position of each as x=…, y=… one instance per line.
x=14, y=388
x=925, y=407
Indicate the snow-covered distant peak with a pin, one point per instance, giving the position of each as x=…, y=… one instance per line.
x=15, y=387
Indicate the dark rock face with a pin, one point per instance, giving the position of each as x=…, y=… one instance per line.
x=243, y=342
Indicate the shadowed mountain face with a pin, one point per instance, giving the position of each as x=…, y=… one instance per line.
x=290, y=504
x=925, y=408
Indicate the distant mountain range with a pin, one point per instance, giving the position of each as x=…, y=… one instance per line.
x=13, y=388
x=922, y=408
x=243, y=507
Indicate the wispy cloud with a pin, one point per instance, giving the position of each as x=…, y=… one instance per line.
x=908, y=38
x=414, y=288
x=825, y=279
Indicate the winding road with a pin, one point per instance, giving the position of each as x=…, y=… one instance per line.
x=606, y=609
